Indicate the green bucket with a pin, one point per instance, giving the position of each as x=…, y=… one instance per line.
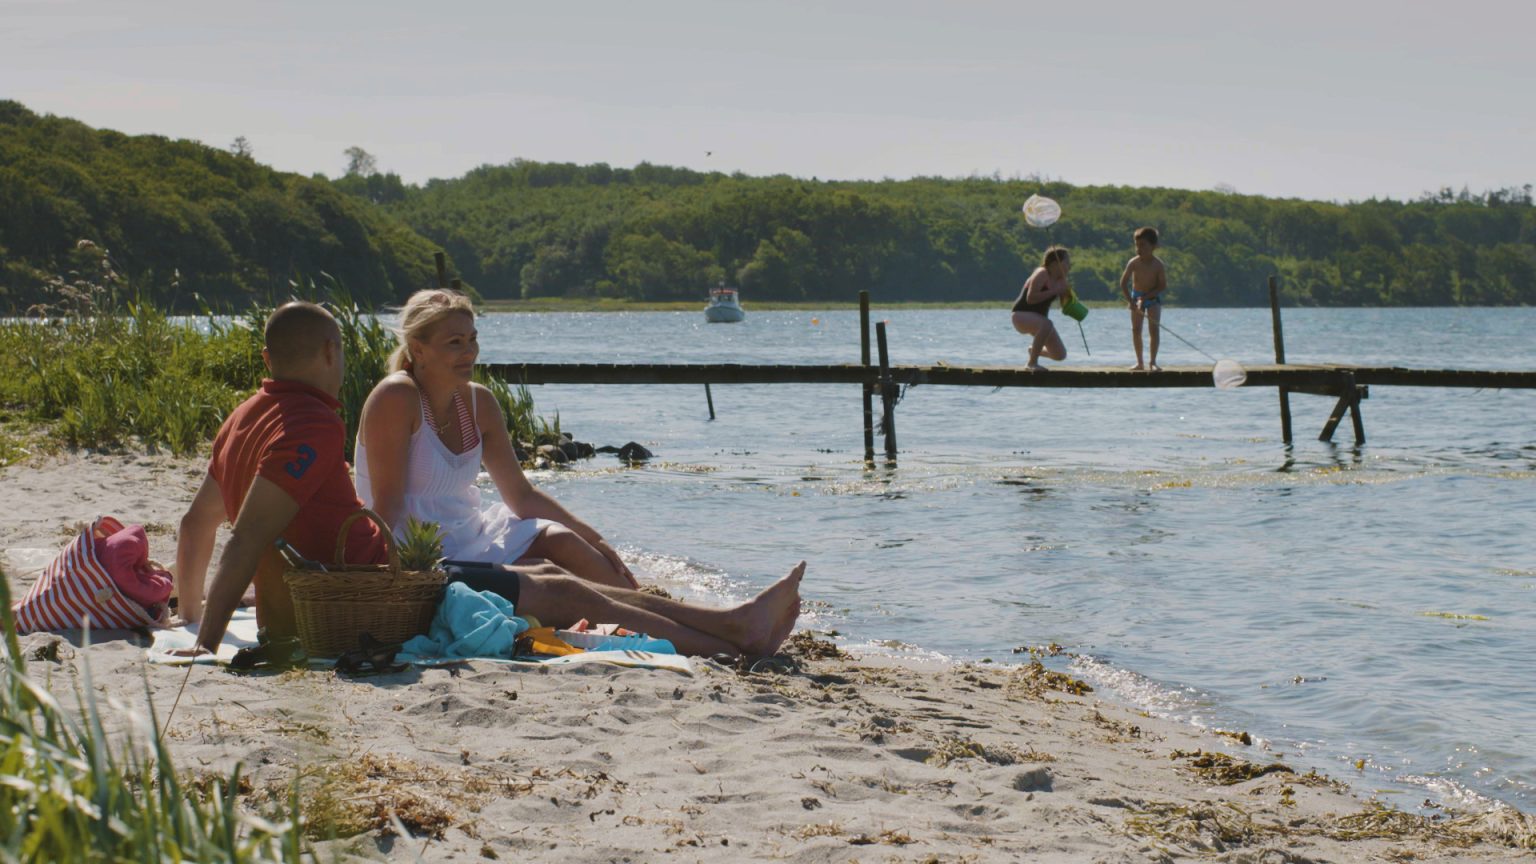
x=1075, y=309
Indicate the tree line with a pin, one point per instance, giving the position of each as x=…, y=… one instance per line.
x=181, y=224
x=184, y=217
x=530, y=229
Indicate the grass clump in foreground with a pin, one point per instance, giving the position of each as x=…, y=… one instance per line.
x=68, y=794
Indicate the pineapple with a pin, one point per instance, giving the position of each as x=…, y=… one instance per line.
x=420, y=545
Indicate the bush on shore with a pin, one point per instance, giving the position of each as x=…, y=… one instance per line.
x=102, y=374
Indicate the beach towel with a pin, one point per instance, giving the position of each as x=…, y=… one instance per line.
x=76, y=590
x=241, y=633
x=469, y=623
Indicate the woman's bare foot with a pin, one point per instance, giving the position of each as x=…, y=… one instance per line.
x=1137, y=368
x=1153, y=367
x=770, y=617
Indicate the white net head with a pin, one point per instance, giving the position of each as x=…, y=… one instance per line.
x=1228, y=374
x=1041, y=212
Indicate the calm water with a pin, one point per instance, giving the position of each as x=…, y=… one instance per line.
x=1340, y=603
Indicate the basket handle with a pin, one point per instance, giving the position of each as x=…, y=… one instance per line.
x=389, y=538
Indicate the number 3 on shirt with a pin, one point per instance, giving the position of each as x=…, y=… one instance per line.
x=307, y=456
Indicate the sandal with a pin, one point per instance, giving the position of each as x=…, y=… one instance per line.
x=281, y=653
x=372, y=657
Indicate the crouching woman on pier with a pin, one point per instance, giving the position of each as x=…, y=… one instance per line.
x=1032, y=311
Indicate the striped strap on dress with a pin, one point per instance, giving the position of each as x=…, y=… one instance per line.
x=468, y=434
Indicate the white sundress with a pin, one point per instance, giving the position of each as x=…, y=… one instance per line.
x=441, y=487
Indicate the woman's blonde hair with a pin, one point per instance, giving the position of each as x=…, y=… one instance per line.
x=1054, y=254
x=420, y=312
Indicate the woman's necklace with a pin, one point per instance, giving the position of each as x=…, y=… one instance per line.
x=440, y=426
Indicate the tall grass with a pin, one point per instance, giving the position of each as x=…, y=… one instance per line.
x=68, y=794
x=102, y=379
x=104, y=376
x=517, y=407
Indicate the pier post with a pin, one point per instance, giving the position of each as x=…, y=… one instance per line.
x=1354, y=411
x=869, y=408
x=1350, y=394
x=441, y=261
x=887, y=397
x=1285, y=392
x=708, y=397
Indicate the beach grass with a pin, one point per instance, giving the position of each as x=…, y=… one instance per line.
x=72, y=794
x=98, y=375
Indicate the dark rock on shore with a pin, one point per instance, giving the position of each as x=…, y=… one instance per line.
x=569, y=450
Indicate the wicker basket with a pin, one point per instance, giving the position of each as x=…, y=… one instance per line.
x=334, y=607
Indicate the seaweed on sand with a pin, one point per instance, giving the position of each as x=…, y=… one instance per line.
x=1032, y=680
x=1227, y=770
x=1504, y=826
x=804, y=645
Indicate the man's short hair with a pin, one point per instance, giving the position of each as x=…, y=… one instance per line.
x=296, y=332
x=1148, y=232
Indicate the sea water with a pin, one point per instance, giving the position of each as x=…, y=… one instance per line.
x=1362, y=610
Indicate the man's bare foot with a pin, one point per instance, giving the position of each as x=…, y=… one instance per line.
x=1034, y=367
x=1137, y=368
x=1154, y=367
x=770, y=616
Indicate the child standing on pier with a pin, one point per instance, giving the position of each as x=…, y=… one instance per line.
x=1031, y=312
x=1142, y=284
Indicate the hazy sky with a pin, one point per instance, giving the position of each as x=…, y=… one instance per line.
x=1339, y=100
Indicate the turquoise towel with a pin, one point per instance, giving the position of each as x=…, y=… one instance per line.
x=469, y=623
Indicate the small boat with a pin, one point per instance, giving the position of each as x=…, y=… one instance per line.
x=724, y=306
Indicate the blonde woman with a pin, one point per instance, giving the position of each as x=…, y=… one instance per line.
x=425, y=432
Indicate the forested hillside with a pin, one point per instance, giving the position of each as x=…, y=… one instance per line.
x=181, y=221
x=538, y=229
x=180, y=217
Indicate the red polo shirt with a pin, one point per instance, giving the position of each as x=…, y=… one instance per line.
x=290, y=433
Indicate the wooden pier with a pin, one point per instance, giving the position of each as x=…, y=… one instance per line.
x=1299, y=377
x=1348, y=384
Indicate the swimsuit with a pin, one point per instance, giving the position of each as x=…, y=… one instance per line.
x=1146, y=299
x=1023, y=305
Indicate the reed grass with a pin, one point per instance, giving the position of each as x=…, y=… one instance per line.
x=68, y=793
x=523, y=424
x=102, y=375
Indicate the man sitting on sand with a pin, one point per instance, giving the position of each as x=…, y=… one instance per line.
x=278, y=471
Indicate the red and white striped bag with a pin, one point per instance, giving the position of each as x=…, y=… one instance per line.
x=75, y=587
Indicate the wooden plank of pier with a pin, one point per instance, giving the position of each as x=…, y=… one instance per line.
x=1328, y=378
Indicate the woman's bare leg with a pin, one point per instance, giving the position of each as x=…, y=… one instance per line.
x=567, y=549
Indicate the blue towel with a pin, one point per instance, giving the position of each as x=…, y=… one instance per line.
x=469, y=623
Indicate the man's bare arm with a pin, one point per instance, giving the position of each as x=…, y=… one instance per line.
x=194, y=546
x=264, y=515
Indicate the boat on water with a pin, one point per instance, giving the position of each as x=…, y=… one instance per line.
x=724, y=306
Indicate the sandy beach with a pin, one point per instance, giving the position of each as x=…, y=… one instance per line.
x=827, y=757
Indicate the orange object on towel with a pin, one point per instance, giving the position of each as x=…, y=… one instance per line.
x=542, y=640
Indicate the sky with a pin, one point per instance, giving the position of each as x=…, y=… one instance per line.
x=1338, y=100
